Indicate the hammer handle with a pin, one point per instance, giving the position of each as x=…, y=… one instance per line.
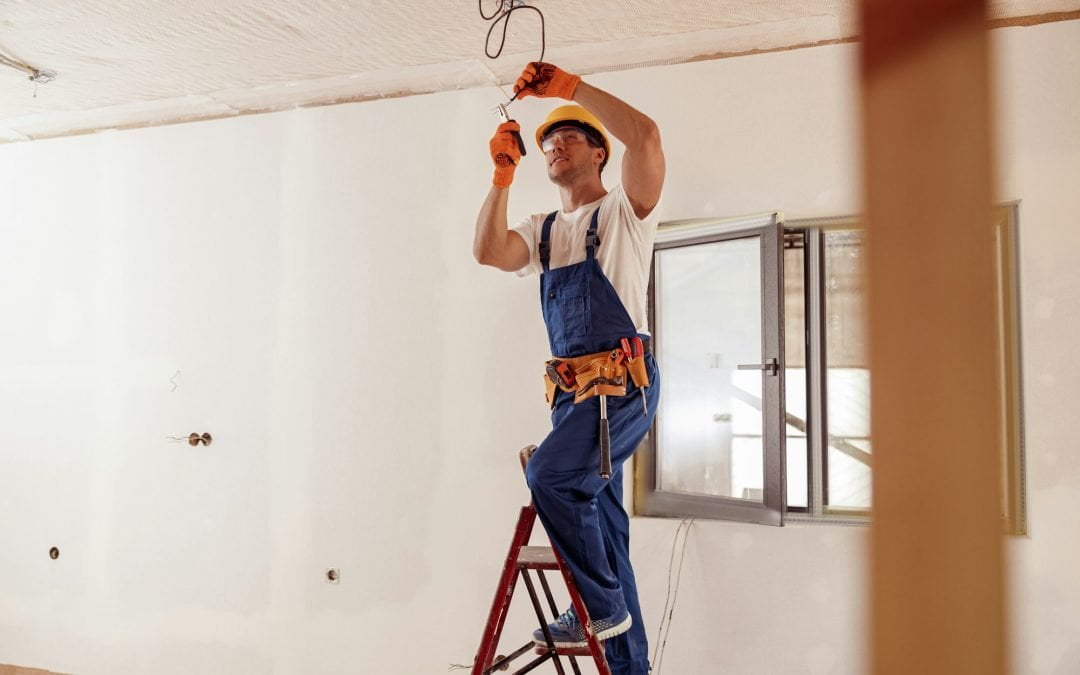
x=605, y=440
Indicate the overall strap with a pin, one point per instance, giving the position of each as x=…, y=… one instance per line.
x=545, y=243
x=592, y=239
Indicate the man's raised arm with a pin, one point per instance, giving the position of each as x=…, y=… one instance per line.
x=495, y=244
x=643, y=164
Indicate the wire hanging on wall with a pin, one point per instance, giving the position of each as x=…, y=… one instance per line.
x=502, y=15
x=672, y=594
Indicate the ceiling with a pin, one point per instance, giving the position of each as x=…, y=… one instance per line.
x=126, y=63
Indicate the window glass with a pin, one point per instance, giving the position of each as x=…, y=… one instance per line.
x=795, y=369
x=848, y=460
x=709, y=317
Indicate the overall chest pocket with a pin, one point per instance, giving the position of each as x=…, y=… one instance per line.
x=569, y=309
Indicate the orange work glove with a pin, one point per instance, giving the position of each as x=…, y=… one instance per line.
x=506, y=153
x=546, y=81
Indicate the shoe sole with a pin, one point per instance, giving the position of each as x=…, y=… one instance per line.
x=617, y=629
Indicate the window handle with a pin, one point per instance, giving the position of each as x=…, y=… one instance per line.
x=772, y=365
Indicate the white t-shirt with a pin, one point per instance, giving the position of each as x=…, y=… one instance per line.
x=625, y=252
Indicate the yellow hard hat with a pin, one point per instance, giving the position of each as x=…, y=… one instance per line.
x=574, y=113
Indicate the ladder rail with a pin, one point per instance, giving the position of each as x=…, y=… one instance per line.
x=595, y=647
x=484, y=663
x=485, y=655
x=555, y=612
x=543, y=621
x=504, y=662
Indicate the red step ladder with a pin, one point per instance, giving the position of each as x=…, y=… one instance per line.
x=522, y=559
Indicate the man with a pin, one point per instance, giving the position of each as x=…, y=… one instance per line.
x=593, y=256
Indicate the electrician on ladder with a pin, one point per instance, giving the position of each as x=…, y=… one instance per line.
x=593, y=256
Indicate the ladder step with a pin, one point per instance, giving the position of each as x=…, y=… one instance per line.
x=537, y=558
x=565, y=651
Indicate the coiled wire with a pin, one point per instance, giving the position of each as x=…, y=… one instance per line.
x=502, y=15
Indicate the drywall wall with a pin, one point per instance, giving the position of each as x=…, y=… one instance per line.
x=309, y=275
x=1038, y=106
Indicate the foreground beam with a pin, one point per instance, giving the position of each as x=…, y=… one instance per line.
x=937, y=569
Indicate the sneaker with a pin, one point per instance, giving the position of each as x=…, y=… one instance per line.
x=567, y=632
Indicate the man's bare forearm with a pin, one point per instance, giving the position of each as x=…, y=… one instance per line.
x=633, y=128
x=494, y=244
x=643, y=165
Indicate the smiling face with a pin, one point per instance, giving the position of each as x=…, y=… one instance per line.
x=570, y=156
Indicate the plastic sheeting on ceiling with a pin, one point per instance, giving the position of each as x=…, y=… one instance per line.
x=126, y=63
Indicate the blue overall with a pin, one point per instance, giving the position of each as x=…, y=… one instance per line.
x=582, y=512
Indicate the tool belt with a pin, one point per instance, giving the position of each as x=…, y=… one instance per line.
x=600, y=374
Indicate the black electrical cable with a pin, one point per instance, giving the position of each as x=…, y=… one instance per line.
x=502, y=15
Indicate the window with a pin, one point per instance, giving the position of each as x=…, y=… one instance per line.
x=749, y=431
x=827, y=257
x=716, y=449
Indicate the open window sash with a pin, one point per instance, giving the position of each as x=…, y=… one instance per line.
x=716, y=448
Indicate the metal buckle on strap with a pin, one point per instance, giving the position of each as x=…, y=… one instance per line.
x=545, y=250
x=592, y=240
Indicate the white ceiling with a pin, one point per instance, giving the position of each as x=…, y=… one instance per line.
x=122, y=63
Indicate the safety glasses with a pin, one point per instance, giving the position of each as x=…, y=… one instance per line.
x=564, y=137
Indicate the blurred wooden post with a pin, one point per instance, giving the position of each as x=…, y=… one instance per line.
x=937, y=569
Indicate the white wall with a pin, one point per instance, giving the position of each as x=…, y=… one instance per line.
x=367, y=385
x=1039, y=163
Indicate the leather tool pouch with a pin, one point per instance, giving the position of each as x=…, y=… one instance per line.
x=549, y=391
x=639, y=373
x=601, y=373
